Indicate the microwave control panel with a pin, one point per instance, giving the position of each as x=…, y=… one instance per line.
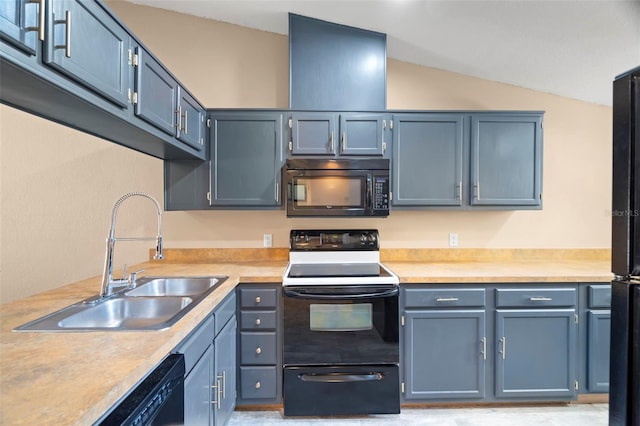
x=381, y=193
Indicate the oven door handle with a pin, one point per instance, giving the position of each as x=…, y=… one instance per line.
x=303, y=293
x=341, y=377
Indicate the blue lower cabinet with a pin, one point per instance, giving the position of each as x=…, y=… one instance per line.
x=445, y=354
x=535, y=353
x=598, y=348
x=197, y=391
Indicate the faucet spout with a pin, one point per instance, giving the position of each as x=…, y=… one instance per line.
x=108, y=283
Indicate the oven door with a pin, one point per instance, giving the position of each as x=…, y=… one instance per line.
x=341, y=350
x=340, y=325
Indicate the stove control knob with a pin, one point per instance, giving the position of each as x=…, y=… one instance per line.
x=372, y=238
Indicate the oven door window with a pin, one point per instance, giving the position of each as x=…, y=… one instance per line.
x=328, y=191
x=341, y=317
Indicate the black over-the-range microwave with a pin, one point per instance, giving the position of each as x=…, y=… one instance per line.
x=343, y=187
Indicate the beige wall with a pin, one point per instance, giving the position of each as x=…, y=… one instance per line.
x=58, y=185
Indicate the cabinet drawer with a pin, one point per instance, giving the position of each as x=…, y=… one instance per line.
x=445, y=298
x=258, y=348
x=600, y=296
x=194, y=345
x=258, y=297
x=225, y=311
x=535, y=297
x=258, y=320
x=258, y=382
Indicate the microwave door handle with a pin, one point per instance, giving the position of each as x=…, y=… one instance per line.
x=369, y=205
x=306, y=294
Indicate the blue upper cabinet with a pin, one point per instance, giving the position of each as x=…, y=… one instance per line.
x=84, y=43
x=506, y=159
x=335, y=67
x=156, y=94
x=428, y=159
x=331, y=134
x=22, y=23
x=191, y=121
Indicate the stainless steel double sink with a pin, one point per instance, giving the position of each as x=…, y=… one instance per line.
x=155, y=303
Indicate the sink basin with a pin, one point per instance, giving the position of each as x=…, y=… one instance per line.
x=155, y=304
x=173, y=286
x=131, y=313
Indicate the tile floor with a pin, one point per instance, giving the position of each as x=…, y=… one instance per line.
x=556, y=415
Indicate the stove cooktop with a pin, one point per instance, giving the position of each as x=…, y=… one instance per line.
x=337, y=270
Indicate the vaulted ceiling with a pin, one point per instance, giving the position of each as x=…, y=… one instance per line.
x=572, y=48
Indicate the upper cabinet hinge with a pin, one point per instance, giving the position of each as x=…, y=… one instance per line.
x=291, y=123
x=133, y=58
x=290, y=145
x=575, y=318
x=390, y=196
x=384, y=147
x=402, y=321
x=576, y=385
x=402, y=387
x=209, y=196
x=129, y=95
x=208, y=123
x=391, y=124
x=134, y=98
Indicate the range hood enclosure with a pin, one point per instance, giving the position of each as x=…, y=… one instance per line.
x=336, y=67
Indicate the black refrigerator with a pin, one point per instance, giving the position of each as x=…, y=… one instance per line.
x=624, y=392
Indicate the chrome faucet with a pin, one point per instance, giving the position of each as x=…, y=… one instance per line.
x=108, y=282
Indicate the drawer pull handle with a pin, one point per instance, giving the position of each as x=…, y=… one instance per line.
x=258, y=321
x=447, y=299
x=258, y=350
x=540, y=299
x=258, y=299
x=258, y=385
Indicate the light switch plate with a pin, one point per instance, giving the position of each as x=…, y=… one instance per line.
x=267, y=240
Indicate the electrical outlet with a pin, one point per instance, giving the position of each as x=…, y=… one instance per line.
x=267, y=240
x=453, y=239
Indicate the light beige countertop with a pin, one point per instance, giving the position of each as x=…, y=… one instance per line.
x=73, y=378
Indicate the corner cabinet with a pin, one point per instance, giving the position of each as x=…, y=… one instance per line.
x=247, y=155
x=482, y=160
x=595, y=337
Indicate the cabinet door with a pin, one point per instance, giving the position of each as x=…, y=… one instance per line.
x=191, y=126
x=157, y=94
x=18, y=22
x=313, y=133
x=86, y=44
x=598, y=347
x=445, y=354
x=506, y=159
x=535, y=353
x=362, y=134
x=225, y=371
x=198, y=406
x=246, y=159
x=427, y=160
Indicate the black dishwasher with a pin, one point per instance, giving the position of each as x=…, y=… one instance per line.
x=158, y=400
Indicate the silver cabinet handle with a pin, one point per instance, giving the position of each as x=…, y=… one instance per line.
x=343, y=141
x=331, y=142
x=258, y=350
x=216, y=389
x=540, y=299
x=179, y=118
x=503, y=350
x=447, y=299
x=257, y=299
x=277, y=201
x=258, y=385
x=484, y=348
x=67, y=45
x=223, y=377
x=40, y=27
x=186, y=122
x=258, y=321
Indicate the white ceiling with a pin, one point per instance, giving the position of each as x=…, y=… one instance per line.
x=572, y=48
